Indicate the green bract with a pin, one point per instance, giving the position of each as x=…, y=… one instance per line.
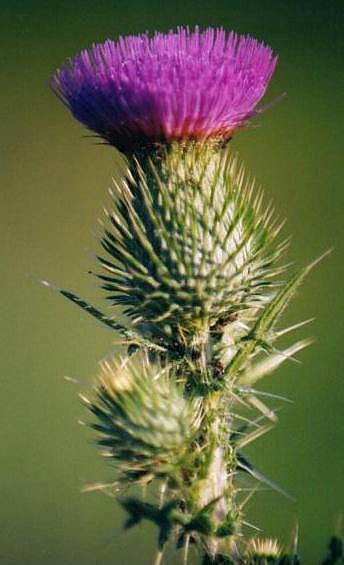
x=189, y=244
x=145, y=423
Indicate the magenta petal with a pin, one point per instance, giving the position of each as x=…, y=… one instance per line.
x=179, y=85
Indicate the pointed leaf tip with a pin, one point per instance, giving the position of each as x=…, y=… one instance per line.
x=263, y=368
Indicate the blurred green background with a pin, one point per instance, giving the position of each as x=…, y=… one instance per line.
x=54, y=182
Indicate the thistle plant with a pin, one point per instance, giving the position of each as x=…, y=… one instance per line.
x=192, y=266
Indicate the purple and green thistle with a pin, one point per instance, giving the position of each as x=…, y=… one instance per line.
x=175, y=86
x=192, y=256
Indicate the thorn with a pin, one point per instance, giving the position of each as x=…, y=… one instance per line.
x=249, y=525
x=292, y=546
x=298, y=346
x=240, y=400
x=162, y=494
x=71, y=380
x=294, y=327
x=186, y=549
x=85, y=399
x=47, y=284
x=247, y=420
x=246, y=466
x=248, y=497
x=296, y=538
x=247, y=439
x=320, y=258
x=158, y=557
x=259, y=405
x=92, y=487
x=262, y=393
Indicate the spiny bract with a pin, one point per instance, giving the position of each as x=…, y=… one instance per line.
x=189, y=244
x=145, y=423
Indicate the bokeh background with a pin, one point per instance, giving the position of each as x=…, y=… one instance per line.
x=53, y=185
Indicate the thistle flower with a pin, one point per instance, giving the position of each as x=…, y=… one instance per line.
x=180, y=85
x=193, y=257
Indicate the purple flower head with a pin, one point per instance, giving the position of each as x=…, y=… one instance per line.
x=179, y=85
